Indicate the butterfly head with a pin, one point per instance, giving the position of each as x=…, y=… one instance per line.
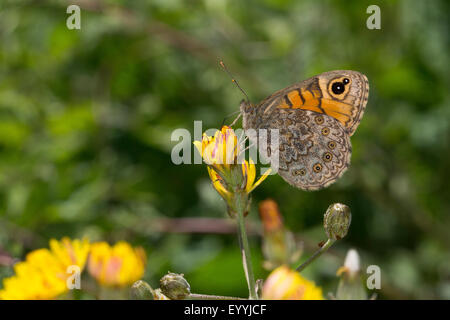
x=248, y=114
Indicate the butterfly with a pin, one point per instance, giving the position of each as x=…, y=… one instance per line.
x=315, y=119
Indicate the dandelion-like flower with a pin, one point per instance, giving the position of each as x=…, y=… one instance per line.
x=286, y=284
x=118, y=265
x=232, y=177
x=43, y=274
x=70, y=252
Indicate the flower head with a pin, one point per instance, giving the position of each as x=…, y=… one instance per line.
x=32, y=282
x=70, y=252
x=350, y=285
x=117, y=265
x=232, y=177
x=221, y=150
x=286, y=284
x=43, y=274
x=351, y=264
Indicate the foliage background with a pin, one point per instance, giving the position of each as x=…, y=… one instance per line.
x=86, y=118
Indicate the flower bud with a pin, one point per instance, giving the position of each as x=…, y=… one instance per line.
x=337, y=221
x=158, y=295
x=174, y=286
x=279, y=246
x=141, y=290
x=270, y=216
x=350, y=286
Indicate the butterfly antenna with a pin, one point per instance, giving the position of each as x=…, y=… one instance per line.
x=233, y=79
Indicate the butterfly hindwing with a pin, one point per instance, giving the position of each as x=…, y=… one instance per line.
x=314, y=149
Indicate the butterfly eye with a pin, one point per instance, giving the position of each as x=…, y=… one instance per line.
x=331, y=145
x=346, y=81
x=338, y=87
x=325, y=131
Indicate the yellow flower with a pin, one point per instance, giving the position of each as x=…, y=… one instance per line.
x=70, y=252
x=286, y=284
x=33, y=282
x=43, y=274
x=219, y=151
x=117, y=265
x=229, y=177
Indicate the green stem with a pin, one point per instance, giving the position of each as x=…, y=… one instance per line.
x=245, y=248
x=316, y=254
x=196, y=296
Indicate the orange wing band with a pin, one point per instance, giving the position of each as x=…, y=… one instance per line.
x=310, y=100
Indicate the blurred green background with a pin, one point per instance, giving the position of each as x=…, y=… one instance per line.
x=86, y=118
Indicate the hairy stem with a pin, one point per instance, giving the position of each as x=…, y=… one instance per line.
x=245, y=248
x=197, y=296
x=316, y=254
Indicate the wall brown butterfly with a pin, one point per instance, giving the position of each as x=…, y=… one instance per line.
x=315, y=119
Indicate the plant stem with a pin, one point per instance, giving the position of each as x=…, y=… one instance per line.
x=316, y=254
x=196, y=296
x=245, y=249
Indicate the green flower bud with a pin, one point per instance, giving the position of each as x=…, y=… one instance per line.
x=337, y=221
x=141, y=290
x=174, y=286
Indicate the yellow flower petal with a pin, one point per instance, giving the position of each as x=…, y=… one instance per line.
x=199, y=146
x=118, y=265
x=70, y=252
x=286, y=284
x=221, y=149
x=43, y=274
x=249, y=172
x=217, y=183
x=250, y=188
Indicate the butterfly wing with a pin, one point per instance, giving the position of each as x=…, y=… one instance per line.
x=316, y=118
x=314, y=149
x=341, y=94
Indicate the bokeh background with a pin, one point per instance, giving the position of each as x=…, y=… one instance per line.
x=86, y=118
